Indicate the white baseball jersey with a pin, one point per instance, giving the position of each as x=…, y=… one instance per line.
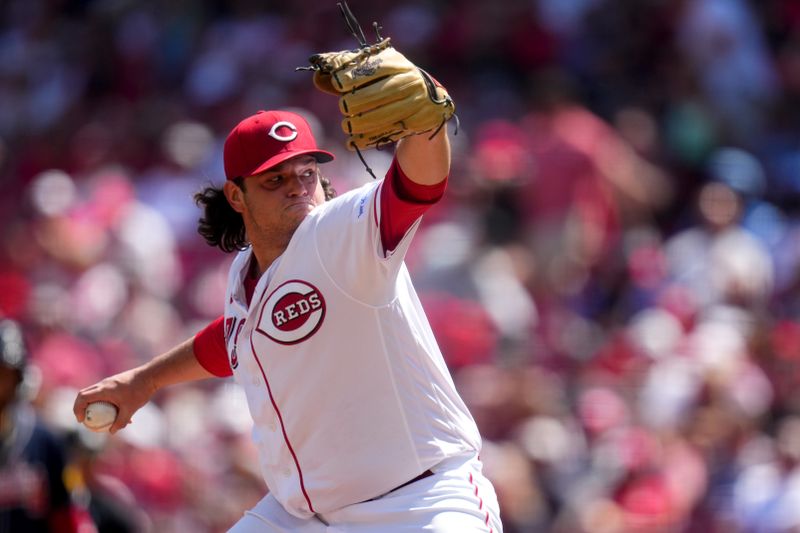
x=346, y=385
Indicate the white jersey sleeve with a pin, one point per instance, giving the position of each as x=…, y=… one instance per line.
x=352, y=249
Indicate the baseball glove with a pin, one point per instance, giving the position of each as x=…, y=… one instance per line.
x=382, y=95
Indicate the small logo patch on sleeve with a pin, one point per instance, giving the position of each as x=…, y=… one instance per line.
x=362, y=206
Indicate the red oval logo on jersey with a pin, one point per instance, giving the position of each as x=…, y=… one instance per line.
x=292, y=313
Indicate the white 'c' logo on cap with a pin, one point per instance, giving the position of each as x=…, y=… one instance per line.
x=285, y=138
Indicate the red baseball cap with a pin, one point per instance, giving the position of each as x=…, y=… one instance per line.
x=267, y=139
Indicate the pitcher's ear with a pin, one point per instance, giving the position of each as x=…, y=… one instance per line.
x=235, y=195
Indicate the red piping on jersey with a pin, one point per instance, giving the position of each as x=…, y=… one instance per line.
x=375, y=201
x=283, y=428
x=480, y=501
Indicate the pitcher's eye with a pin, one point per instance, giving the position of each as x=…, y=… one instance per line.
x=273, y=181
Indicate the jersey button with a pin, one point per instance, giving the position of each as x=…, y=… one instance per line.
x=287, y=472
x=272, y=425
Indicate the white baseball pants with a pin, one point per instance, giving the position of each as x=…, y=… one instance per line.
x=457, y=498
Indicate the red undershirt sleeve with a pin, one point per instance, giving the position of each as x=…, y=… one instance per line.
x=210, y=351
x=402, y=203
x=209, y=343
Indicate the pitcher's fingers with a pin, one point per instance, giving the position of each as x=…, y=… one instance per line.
x=79, y=407
x=389, y=116
x=123, y=419
x=86, y=396
x=398, y=87
x=114, y=427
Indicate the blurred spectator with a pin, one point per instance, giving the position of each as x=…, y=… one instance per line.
x=717, y=260
x=33, y=496
x=726, y=48
x=584, y=186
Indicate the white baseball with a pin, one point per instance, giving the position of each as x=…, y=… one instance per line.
x=100, y=416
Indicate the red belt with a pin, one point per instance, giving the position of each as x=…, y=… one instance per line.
x=423, y=475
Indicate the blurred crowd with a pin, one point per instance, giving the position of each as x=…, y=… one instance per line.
x=613, y=276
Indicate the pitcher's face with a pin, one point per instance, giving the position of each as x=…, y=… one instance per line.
x=277, y=200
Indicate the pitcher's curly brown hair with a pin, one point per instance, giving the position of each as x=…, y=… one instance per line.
x=223, y=227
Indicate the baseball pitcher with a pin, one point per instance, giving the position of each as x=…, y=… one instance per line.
x=356, y=418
